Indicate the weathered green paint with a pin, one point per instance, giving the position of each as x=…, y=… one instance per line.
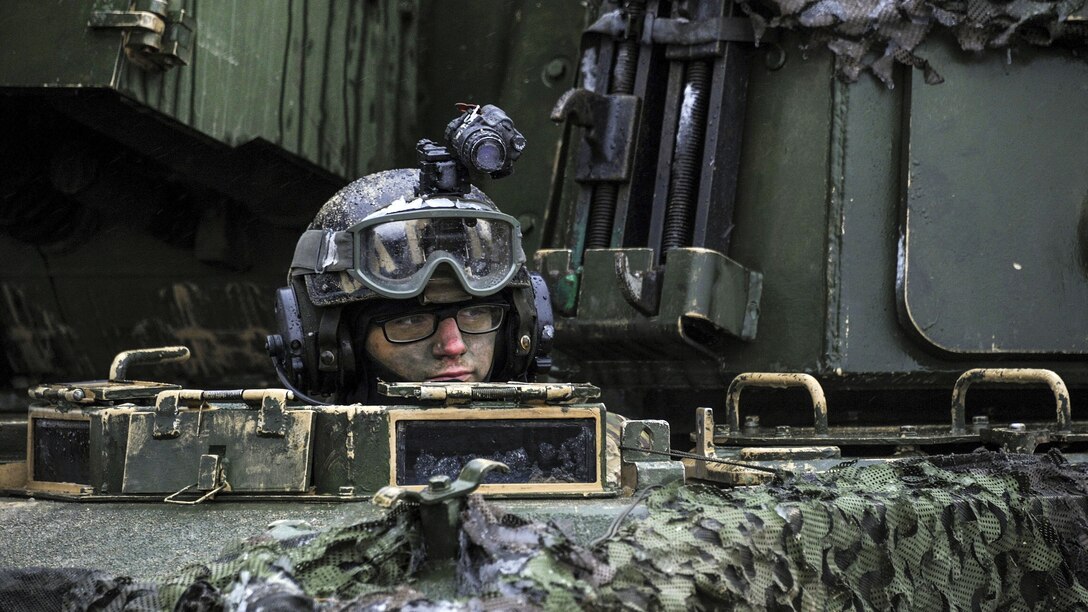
x=705, y=297
x=351, y=447
x=996, y=187
x=54, y=48
x=280, y=72
x=825, y=167
x=255, y=463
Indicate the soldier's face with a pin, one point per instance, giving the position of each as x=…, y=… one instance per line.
x=447, y=355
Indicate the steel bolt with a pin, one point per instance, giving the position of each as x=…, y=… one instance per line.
x=555, y=69
x=526, y=342
x=751, y=422
x=782, y=431
x=439, y=483
x=555, y=72
x=327, y=358
x=908, y=430
x=775, y=57
x=980, y=421
x=1017, y=427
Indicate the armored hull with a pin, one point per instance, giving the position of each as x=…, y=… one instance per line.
x=779, y=256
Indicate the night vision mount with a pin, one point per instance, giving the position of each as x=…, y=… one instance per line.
x=481, y=139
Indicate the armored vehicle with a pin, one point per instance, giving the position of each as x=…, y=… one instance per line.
x=784, y=240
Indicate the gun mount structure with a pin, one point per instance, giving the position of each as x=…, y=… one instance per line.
x=775, y=243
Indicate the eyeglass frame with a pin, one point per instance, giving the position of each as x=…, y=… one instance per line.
x=441, y=314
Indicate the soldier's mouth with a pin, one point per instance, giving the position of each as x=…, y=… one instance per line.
x=451, y=375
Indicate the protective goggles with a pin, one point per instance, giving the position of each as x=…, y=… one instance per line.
x=396, y=254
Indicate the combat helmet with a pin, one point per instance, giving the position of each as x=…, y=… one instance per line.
x=385, y=236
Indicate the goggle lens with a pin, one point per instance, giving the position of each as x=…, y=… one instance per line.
x=481, y=249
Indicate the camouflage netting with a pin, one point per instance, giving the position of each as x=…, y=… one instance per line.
x=975, y=532
x=874, y=34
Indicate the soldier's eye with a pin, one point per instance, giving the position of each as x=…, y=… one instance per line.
x=410, y=327
x=479, y=319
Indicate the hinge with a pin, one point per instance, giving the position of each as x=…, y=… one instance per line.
x=155, y=39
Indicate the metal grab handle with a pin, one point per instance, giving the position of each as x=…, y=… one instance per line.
x=173, y=497
x=1009, y=375
x=776, y=381
x=211, y=478
x=162, y=354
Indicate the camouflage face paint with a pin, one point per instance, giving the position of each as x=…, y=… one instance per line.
x=446, y=355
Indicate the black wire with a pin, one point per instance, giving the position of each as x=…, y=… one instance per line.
x=682, y=454
x=616, y=522
x=280, y=374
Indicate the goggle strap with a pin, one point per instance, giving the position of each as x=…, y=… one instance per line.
x=320, y=251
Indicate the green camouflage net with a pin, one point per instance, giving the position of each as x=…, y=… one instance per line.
x=876, y=34
x=976, y=532
x=980, y=532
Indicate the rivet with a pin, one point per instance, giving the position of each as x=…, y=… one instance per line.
x=327, y=358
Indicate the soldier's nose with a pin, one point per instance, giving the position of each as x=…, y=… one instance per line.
x=450, y=343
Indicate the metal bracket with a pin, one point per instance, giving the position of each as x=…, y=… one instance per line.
x=618, y=24
x=441, y=504
x=167, y=422
x=155, y=39
x=704, y=446
x=211, y=478
x=611, y=125
x=645, y=469
x=641, y=288
x=271, y=420
x=1016, y=438
x=735, y=474
x=687, y=32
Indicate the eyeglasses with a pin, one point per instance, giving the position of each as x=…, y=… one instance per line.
x=472, y=319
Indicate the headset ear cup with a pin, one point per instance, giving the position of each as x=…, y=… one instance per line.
x=540, y=361
x=289, y=329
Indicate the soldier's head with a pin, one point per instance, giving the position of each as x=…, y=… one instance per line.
x=398, y=283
